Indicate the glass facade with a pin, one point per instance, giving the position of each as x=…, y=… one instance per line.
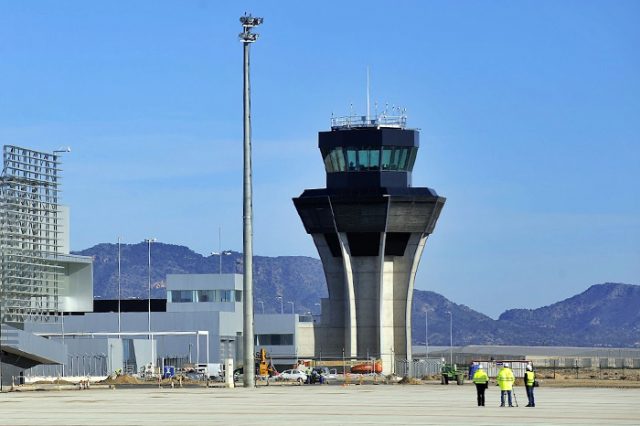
x=350, y=159
x=191, y=296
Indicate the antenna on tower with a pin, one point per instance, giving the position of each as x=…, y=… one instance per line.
x=368, y=89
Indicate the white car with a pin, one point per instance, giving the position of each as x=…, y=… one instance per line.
x=293, y=375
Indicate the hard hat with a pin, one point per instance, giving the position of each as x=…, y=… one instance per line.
x=529, y=367
x=479, y=366
x=506, y=365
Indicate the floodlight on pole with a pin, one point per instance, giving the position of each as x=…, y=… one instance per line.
x=450, y=337
x=247, y=37
x=149, y=241
x=426, y=333
x=56, y=153
x=119, y=290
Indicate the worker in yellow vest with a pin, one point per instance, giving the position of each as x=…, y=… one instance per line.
x=505, y=381
x=529, y=382
x=481, y=381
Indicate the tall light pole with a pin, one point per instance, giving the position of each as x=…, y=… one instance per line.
x=61, y=150
x=119, y=291
x=149, y=241
x=426, y=333
x=281, y=304
x=262, y=304
x=292, y=307
x=450, y=337
x=220, y=248
x=247, y=37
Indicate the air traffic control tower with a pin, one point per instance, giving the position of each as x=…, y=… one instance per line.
x=370, y=226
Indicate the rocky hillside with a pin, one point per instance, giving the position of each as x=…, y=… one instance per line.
x=299, y=279
x=603, y=315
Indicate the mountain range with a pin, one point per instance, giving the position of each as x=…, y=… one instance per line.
x=604, y=315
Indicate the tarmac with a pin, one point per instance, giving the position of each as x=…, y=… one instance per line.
x=318, y=404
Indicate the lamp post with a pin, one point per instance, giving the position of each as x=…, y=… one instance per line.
x=247, y=38
x=281, y=304
x=119, y=292
x=149, y=241
x=292, y=307
x=220, y=254
x=426, y=333
x=450, y=337
x=56, y=153
x=261, y=304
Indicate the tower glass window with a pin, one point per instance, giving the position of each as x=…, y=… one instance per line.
x=369, y=159
x=337, y=158
x=351, y=159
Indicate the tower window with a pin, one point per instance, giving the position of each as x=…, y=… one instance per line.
x=369, y=159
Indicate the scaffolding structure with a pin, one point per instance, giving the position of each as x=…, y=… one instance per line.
x=30, y=228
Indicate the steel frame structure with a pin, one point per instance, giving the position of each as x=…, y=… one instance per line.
x=30, y=228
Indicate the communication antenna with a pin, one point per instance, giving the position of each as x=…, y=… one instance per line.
x=368, y=89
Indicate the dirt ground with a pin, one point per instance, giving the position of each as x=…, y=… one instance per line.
x=568, y=377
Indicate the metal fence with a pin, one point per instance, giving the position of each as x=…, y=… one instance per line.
x=418, y=368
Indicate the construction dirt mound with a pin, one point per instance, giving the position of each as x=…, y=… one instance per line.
x=121, y=380
x=53, y=382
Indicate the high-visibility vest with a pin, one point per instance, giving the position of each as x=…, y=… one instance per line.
x=529, y=378
x=480, y=377
x=506, y=378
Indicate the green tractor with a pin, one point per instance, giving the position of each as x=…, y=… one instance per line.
x=451, y=372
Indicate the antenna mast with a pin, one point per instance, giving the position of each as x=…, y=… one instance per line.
x=368, y=105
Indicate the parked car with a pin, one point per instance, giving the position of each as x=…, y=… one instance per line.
x=238, y=375
x=194, y=375
x=325, y=373
x=293, y=375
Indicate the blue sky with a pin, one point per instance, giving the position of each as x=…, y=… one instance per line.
x=529, y=114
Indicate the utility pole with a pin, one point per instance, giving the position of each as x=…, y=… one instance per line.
x=247, y=37
x=426, y=333
x=149, y=241
x=119, y=293
x=450, y=337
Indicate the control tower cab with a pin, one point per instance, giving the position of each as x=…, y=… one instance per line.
x=370, y=226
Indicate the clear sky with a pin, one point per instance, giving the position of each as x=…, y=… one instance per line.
x=529, y=114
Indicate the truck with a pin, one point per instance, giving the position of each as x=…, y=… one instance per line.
x=211, y=370
x=451, y=372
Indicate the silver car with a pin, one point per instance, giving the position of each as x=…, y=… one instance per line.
x=293, y=375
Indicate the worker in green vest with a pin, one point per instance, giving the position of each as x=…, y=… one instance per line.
x=481, y=381
x=529, y=381
x=505, y=381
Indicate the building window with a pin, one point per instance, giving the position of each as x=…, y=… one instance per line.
x=274, y=339
x=181, y=296
x=204, y=296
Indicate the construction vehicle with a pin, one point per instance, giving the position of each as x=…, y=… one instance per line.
x=451, y=372
x=265, y=367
